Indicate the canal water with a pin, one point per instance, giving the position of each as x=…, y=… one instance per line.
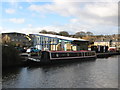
x=99, y=73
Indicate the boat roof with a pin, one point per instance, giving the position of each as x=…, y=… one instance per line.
x=72, y=51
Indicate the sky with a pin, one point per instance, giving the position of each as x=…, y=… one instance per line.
x=32, y=16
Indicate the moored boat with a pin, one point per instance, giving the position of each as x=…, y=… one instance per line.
x=48, y=56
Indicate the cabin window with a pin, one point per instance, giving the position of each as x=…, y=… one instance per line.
x=85, y=53
x=57, y=55
x=68, y=54
x=63, y=54
x=93, y=53
x=89, y=53
x=80, y=54
x=54, y=55
x=73, y=54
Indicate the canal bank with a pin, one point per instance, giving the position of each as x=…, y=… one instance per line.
x=108, y=54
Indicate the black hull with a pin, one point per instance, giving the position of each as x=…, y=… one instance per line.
x=59, y=61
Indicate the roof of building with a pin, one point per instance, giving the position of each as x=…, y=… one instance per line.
x=60, y=37
x=13, y=33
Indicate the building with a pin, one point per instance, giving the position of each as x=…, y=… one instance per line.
x=109, y=43
x=102, y=43
x=16, y=39
x=59, y=43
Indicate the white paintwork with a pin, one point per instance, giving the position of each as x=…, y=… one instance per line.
x=33, y=59
x=72, y=57
x=60, y=37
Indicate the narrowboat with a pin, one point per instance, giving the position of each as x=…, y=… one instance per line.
x=51, y=56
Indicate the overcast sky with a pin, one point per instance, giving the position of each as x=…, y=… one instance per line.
x=30, y=16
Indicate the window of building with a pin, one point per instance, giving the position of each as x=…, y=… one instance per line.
x=13, y=40
x=16, y=40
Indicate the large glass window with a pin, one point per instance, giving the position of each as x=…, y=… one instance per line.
x=40, y=40
x=13, y=39
x=55, y=41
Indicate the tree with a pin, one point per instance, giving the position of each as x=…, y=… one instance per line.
x=6, y=39
x=10, y=56
x=64, y=33
x=80, y=34
x=89, y=33
x=52, y=32
x=43, y=31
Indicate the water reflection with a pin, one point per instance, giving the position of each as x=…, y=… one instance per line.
x=100, y=73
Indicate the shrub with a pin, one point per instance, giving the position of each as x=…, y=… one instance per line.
x=10, y=56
